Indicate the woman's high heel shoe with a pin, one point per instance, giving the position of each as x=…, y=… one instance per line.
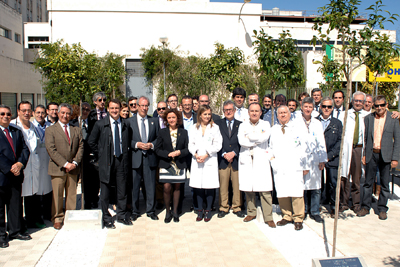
x=199, y=216
x=207, y=216
x=168, y=217
x=176, y=217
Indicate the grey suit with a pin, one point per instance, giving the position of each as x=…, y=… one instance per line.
x=390, y=150
x=144, y=165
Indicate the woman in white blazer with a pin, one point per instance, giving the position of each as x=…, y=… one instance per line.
x=205, y=141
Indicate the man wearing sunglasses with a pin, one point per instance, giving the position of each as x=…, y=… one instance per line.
x=133, y=107
x=14, y=155
x=352, y=150
x=333, y=135
x=381, y=150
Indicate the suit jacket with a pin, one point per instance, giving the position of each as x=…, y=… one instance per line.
x=390, y=143
x=101, y=142
x=164, y=147
x=60, y=151
x=151, y=138
x=7, y=157
x=333, y=138
x=228, y=143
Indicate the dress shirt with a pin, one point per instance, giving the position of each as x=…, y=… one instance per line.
x=69, y=133
x=241, y=114
x=146, y=124
x=325, y=122
x=187, y=123
x=379, y=123
x=161, y=120
x=335, y=112
x=102, y=113
x=2, y=128
x=113, y=132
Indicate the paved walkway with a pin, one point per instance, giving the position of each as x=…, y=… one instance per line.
x=221, y=242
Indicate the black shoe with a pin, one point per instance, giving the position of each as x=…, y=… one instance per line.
x=124, y=221
x=134, y=217
x=152, y=216
x=109, y=225
x=239, y=213
x=168, y=217
x=4, y=244
x=23, y=237
x=221, y=214
x=176, y=217
x=316, y=218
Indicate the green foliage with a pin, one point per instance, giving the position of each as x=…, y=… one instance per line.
x=70, y=73
x=331, y=70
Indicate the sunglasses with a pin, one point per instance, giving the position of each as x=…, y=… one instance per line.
x=380, y=105
x=132, y=104
x=161, y=108
x=8, y=114
x=101, y=100
x=325, y=106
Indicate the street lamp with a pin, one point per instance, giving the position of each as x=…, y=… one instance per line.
x=240, y=13
x=164, y=40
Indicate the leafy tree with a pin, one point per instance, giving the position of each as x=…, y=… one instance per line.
x=279, y=60
x=71, y=74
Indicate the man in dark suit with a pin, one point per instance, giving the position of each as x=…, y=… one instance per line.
x=333, y=136
x=381, y=150
x=144, y=132
x=14, y=155
x=228, y=161
x=109, y=142
x=64, y=144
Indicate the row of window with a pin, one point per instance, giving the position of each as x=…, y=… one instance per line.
x=10, y=99
x=7, y=34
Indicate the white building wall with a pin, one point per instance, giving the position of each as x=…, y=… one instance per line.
x=11, y=20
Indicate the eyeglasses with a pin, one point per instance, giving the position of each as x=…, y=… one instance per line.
x=101, y=100
x=163, y=108
x=25, y=110
x=358, y=101
x=187, y=105
x=325, y=106
x=85, y=109
x=228, y=110
x=173, y=101
x=132, y=104
x=8, y=114
x=380, y=105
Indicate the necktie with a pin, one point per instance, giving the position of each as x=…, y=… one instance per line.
x=356, y=130
x=101, y=115
x=316, y=108
x=66, y=133
x=229, y=128
x=239, y=109
x=117, y=142
x=338, y=112
x=144, y=135
x=283, y=128
x=10, y=140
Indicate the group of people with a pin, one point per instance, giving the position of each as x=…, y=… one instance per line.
x=280, y=155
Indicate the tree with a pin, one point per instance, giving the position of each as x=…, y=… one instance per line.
x=71, y=74
x=338, y=16
x=279, y=60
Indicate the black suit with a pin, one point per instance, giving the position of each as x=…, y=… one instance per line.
x=113, y=170
x=11, y=185
x=144, y=165
x=164, y=147
x=229, y=143
x=333, y=137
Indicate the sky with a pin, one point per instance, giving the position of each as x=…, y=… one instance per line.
x=311, y=5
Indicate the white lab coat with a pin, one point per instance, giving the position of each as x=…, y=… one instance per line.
x=288, y=153
x=34, y=182
x=348, y=139
x=205, y=175
x=242, y=115
x=316, y=152
x=254, y=174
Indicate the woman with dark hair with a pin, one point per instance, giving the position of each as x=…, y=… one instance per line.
x=172, y=149
x=205, y=141
x=124, y=112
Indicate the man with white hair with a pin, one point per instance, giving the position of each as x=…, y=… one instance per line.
x=352, y=151
x=287, y=154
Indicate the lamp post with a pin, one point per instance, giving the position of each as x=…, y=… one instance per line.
x=164, y=40
x=240, y=13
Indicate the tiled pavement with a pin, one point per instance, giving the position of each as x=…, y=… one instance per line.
x=224, y=242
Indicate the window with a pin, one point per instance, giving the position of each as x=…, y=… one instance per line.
x=34, y=46
x=41, y=100
x=5, y=32
x=27, y=97
x=10, y=99
x=17, y=38
x=38, y=38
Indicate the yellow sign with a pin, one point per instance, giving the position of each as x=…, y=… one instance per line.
x=359, y=71
x=392, y=75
